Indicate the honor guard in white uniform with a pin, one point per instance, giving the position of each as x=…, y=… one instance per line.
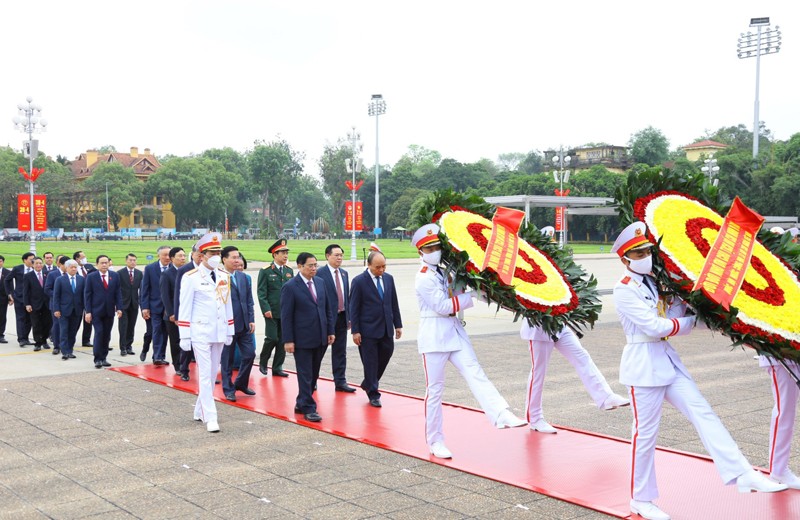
x=442, y=338
x=205, y=322
x=540, y=346
x=654, y=373
x=781, y=428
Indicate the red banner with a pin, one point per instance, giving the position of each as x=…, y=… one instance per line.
x=727, y=262
x=24, y=212
x=348, y=216
x=501, y=251
x=561, y=225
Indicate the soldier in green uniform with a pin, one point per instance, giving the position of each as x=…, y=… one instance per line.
x=270, y=280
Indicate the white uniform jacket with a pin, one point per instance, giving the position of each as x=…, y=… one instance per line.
x=440, y=330
x=648, y=360
x=205, y=314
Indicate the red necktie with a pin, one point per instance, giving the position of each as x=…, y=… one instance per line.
x=83, y=270
x=131, y=275
x=105, y=283
x=310, y=288
x=339, y=291
x=41, y=283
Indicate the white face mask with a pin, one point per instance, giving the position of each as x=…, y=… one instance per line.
x=432, y=258
x=642, y=265
x=84, y=261
x=214, y=261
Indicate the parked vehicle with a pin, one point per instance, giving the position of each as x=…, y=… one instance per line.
x=107, y=236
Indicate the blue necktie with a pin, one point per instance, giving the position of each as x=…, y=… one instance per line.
x=72, y=279
x=233, y=279
x=380, y=287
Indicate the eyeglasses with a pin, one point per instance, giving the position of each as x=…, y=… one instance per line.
x=310, y=266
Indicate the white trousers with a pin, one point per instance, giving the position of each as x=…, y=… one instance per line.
x=570, y=347
x=207, y=356
x=781, y=428
x=434, y=363
x=683, y=394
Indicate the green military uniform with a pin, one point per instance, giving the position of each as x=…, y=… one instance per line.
x=270, y=281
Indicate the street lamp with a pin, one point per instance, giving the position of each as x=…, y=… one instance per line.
x=353, y=167
x=711, y=169
x=377, y=107
x=560, y=161
x=754, y=45
x=29, y=122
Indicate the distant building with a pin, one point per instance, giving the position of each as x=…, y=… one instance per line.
x=696, y=151
x=150, y=214
x=613, y=158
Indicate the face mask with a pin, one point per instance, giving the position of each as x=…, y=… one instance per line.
x=432, y=258
x=84, y=261
x=641, y=266
x=214, y=261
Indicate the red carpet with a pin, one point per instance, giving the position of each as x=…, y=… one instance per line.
x=580, y=467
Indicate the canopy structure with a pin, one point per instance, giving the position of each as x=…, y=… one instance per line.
x=574, y=205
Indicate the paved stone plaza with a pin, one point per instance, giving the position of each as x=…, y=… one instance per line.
x=76, y=442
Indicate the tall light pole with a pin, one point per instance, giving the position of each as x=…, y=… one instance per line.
x=29, y=122
x=560, y=161
x=711, y=169
x=353, y=167
x=754, y=45
x=377, y=107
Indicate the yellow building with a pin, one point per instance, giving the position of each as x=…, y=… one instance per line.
x=696, y=151
x=150, y=214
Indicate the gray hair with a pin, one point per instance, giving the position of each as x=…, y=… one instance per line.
x=161, y=248
x=70, y=263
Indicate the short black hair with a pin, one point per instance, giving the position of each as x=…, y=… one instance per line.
x=101, y=256
x=129, y=255
x=226, y=251
x=2, y=258
x=244, y=261
x=76, y=255
x=303, y=257
x=47, y=253
x=27, y=255
x=35, y=258
x=174, y=251
x=62, y=259
x=330, y=248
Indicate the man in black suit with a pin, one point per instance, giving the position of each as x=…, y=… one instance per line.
x=50, y=263
x=4, y=273
x=375, y=322
x=152, y=306
x=84, y=268
x=13, y=286
x=244, y=325
x=103, y=300
x=130, y=280
x=35, y=301
x=307, y=322
x=49, y=288
x=196, y=259
x=68, y=307
x=337, y=286
x=177, y=258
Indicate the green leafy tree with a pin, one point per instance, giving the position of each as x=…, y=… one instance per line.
x=532, y=163
x=510, y=161
x=307, y=202
x=235, y=163
x=649, y=146
x=333, y=169
x=399, y=212
x=124, y=190
x=274, y=168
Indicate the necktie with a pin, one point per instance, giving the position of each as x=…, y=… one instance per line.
x=72, y=282
x=105, y=283
x=339, y=293
x=649, y=283
x=83, y=270
x=213, y=276
x=130, y=273
x=311, y=288
x=163, y=268
x=39, y=276
x=380, y=287
x=233, y=279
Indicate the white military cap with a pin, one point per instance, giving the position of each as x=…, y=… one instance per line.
x=427, y=235
x=548, y=231
x=631, y=238
x=209, y=242
x=777, y=229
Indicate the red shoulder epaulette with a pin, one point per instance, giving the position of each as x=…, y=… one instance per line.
x=626, y=280
x=424, y=269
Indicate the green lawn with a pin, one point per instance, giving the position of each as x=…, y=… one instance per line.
x=253, y=250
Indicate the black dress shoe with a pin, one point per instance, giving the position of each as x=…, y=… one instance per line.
x=24, y=342
x=106, y=364
x=262, y=369
x=37, y=348
x=3, y=340
x=247, y=391
x=122, y=352
x=64, y=358
x=110, y=349
x=98, y=364
x=312, y=417
x=375, y=402
x=184, y=377
x=297, y=410
x=46, y=346
x=142, y=356
x=345, y=388
x=71, y=356
x=279, y=373
x=131, y=352
x=87, y=345
x=231, y=397
x=56, y=351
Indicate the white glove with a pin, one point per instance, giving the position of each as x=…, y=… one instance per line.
x=480, y=296
x=186, y=344
x=228, y=340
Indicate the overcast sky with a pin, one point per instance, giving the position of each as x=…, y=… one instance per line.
x=469, y=79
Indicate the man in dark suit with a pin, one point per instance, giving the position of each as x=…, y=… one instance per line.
x=50, y=263
x=375, y=322
x=244, y=325
x=186, y=357
x=177, y=257
x=307, y=322
x=84, y=268
x=13, y=286
x=337, y=286
x=153, y=307
x=68, y=307
x=49, y=287
x=130, y=281
x=35, y=301
x=4, y=273
x=103, y=299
